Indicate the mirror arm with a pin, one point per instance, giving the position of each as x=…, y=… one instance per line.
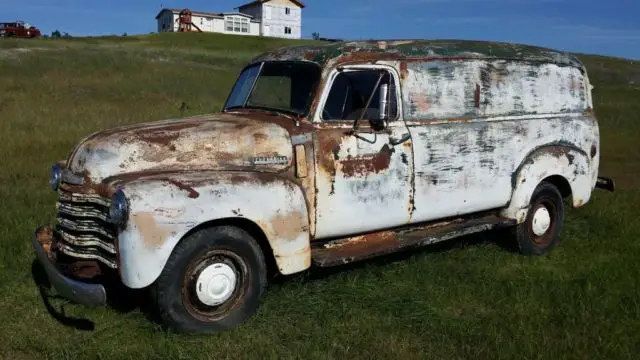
x=375, y=88
x=404, y=138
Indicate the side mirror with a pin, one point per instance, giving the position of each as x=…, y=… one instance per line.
x=382, y=106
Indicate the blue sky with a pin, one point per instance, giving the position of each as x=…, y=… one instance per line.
x=604, y=27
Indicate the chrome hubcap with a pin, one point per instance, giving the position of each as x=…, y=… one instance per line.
x=541, y=221
x=215, y=284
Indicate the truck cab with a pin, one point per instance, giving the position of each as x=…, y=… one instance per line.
x=324, y=155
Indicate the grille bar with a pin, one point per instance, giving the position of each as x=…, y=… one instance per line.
x=86, y=241
x=82, y=211
x=84, y=228
x=91, y=255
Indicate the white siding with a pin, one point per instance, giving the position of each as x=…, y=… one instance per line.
x=276, y=18
x=275, y=15
x=167, y=22
x=255, y=28
x=205, y=23
x=218, y=25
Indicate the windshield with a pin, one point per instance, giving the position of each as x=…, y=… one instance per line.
x=279, y=86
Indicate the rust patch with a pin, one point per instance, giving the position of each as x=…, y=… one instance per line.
x=288, y=226
x=352, y=166
x=45, y=238
x=142, y=129
x=420, y=102
x=293, y=125
x=557, y=151
x=160, y=137
x=151, y=232
x=367, y=56
x=259, y=138
x=329, y=147
x=404, y=71
x=192, y=192
x=89, y=187
x=85, y=269
x=357, y=246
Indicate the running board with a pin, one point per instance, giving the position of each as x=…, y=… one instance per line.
x=361, y=247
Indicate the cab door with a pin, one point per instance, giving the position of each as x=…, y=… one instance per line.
x=364, y=176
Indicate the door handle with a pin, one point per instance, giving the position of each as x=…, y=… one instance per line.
x=404, y=138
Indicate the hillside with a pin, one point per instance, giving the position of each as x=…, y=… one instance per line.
x=468, y=299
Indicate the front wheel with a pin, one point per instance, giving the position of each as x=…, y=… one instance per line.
x=213, y=281
x=540, y=231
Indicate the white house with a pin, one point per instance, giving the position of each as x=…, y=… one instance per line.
x=275, y=18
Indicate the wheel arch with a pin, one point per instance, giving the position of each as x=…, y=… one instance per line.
x=561, y=183
x=248, y=225
x=562, y=164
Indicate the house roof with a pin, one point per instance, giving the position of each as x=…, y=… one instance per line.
x=373, y=50
x=257, y=2
x=205, y=13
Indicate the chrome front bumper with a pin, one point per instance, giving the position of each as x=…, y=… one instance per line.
x=87, y=294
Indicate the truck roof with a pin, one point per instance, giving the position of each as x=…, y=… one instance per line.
x=371, y=50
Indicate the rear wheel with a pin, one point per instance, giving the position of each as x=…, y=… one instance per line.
x=540, y=231
x=212, y=282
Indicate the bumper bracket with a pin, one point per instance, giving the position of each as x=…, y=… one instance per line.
x=88, y=294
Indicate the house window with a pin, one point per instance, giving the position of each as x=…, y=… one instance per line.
x=237, y=24
x=287, y=30
x=287, y=11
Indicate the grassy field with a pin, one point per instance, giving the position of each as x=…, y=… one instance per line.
x=466, y=299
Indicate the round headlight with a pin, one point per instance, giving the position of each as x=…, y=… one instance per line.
x=119, y=209
x=55, y=176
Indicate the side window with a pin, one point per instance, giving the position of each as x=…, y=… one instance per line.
x=350, y=91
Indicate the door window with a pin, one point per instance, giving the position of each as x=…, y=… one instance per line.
x=350, y=91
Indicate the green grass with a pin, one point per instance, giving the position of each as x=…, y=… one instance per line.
x=471, y=300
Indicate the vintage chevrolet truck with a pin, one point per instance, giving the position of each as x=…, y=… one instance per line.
x=323, y=155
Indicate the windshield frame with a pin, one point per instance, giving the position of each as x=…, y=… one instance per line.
x=260, y=65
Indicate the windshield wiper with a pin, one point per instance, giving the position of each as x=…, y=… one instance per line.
x=273, y=111
x=233, y=107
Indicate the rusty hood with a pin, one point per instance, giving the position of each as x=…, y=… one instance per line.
x=207, y=142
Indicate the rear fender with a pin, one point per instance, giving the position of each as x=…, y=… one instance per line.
x=563, y=160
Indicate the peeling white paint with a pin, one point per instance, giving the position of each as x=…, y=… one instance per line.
x=482, y=135
x=199, y=143
x=447, y=89
x=163, y=213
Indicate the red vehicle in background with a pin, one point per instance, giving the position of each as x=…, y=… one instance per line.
x=18, y=29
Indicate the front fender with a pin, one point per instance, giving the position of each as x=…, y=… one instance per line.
x=563, y=160
x=165, y=207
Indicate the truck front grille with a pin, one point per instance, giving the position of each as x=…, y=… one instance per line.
x=84, y=228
